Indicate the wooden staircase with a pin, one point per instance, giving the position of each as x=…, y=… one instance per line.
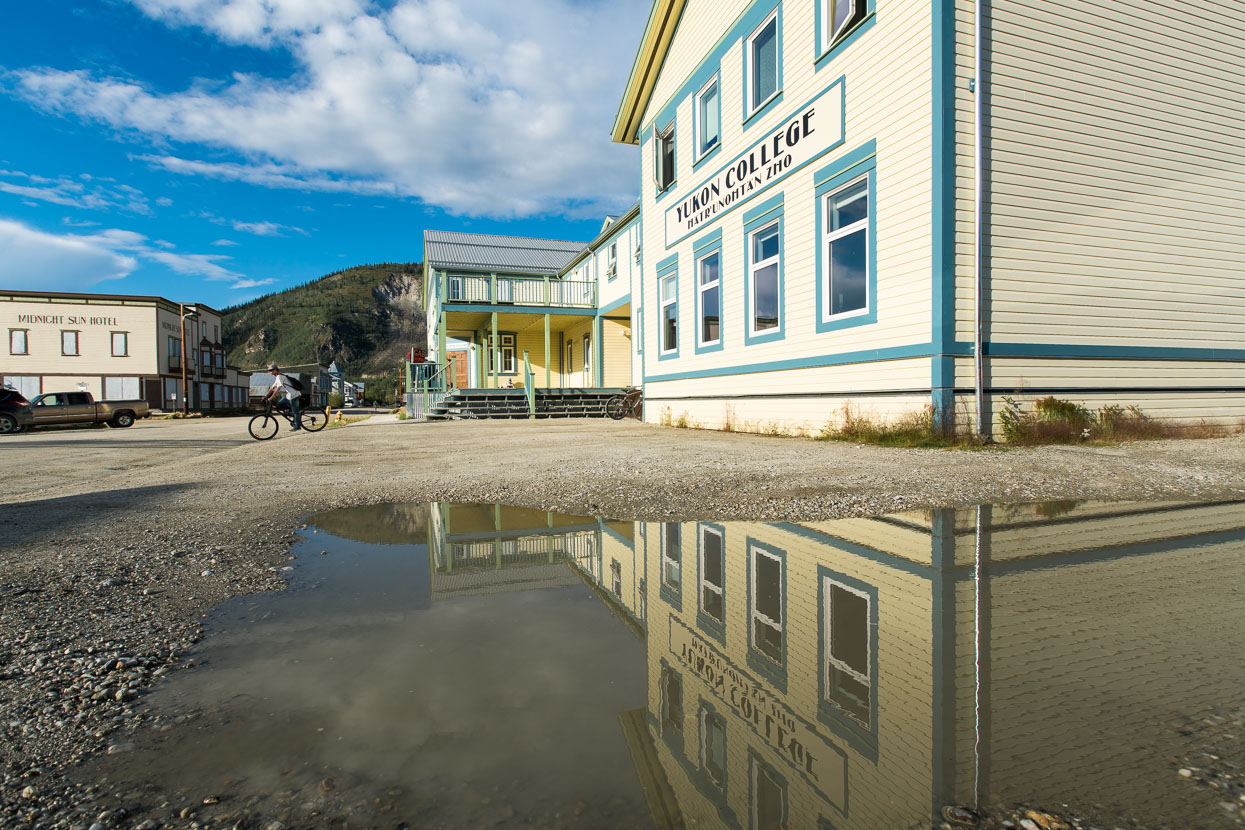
x=509, y=404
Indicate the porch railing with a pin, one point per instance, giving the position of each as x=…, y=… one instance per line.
x=544, y=291
x=433, y=389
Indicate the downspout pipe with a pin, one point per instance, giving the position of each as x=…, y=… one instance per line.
x=979, y=91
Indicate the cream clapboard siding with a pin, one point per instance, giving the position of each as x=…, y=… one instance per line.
x=795, y=406
x=893, y=792
x=611, y=291
x=573, y=373
x=889, y=62
x=94, y=341
x=1116, y=168
x=616, y=346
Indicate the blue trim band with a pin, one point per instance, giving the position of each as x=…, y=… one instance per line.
x=617, y=304
x=517, y=309
x=842, y=359
x=668, y=262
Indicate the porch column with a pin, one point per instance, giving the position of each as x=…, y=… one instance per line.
x=548, y=370
x=496, y=351
x=598, y=344
x=443, y=356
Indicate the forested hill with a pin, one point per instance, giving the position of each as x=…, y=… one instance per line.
x=364, y=317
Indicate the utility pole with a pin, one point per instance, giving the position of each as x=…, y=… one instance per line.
x=185, y=311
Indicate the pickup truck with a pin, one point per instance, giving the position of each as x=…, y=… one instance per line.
x=54, y=408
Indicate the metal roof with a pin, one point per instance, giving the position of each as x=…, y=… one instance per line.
x=509, y=254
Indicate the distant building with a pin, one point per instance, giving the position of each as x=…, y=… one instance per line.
x=118, y=346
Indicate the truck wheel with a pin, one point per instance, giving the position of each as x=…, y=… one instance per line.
x=9, y=424
x=123, y=419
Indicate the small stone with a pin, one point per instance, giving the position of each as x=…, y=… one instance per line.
x=149, y=824
x=206, y=573
x=29, y=792
x=274, y=825
x=327, y=785
x=96, y=826
x=117, y=749
x=212, y=799
x=1028, y=824
x=1186, y=773
x=324, y=553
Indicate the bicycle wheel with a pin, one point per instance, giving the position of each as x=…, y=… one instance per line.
x=313, y=420
x=616, y=407
x=263, y=427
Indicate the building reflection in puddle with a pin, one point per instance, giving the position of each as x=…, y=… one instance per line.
x=861, y=673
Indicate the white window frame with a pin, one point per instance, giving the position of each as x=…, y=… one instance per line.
x=828, y=633
x=750, y=60
x=758, y=769
x=665, y=558
x=77, y=343
x=754, y=613
x=705, y=716
x=775, y=260
x=701, y=290
x=705, y=583
x=507, y=353
x=698, y=118
x=660, y=138
x=612, y=268
x=829, y=237
x=673, y=281
x=25, y=333
x=125, y=343
x=829, y=33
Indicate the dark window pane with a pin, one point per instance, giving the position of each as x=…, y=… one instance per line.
x=672, y=702
x=670, y=331
x=765, y=63
x=709, y=315
x=711, y=601
x=709, y=269
x=849, y=205
x=769, y=801
x=713, y=559
x=767, y=639
x=849, y=694
x=768, y=587
x=848, y=273
x=765, y=245
x=849, y=629
x=715, y=749
x=765, y=298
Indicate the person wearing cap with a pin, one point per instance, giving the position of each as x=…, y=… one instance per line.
x=281, y=386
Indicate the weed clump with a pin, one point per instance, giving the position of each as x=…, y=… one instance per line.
x=1057, y=421
x=921, y=428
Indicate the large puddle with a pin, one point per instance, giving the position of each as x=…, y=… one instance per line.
x=473, y=666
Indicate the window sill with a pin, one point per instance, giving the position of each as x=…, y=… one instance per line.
x=845, y=40
x=768, y=669
x=847, y=320
x=713, y=151
x=765, y=106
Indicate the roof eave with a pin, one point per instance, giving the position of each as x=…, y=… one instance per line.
x=658, y=34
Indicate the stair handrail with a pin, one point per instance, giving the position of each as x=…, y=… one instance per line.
x=437, y=386
x=529, y=390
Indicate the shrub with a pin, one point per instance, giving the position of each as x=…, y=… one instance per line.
x=335, y=400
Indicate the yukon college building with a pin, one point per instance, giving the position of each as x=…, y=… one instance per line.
x=867, y=206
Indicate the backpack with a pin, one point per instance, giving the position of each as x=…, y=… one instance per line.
x=295, y=382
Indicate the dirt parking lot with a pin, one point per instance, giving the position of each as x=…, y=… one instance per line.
x=113, y=542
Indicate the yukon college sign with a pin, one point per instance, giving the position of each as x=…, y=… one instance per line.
x=822, y=764
x=814, y=129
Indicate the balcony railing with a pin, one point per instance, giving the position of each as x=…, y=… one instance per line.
x=545, y=291
x=175, y=365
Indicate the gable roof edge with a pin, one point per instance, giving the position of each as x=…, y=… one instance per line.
x=658, y=34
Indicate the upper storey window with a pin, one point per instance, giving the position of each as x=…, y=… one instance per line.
x=708, y=118
x=663, y=160
x=838, y=16
x=762, y=56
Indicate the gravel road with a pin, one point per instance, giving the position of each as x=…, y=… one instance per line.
x=114, y=542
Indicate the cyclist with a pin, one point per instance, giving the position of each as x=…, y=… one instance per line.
x=281, y=385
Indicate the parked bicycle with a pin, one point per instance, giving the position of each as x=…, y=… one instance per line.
x=628, y=404
x=267, y=424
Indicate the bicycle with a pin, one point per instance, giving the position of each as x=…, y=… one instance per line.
x=265, y=426
x=630, y=403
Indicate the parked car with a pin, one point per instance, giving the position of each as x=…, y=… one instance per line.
x=15, y=412
x=54, y=408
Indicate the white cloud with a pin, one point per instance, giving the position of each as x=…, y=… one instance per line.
x=164, y=201
x=70, y=192
x=486, y=107
x=265, y=228
x=253, y=283
x=32, y=259
x=225, y=243
x=36, y=261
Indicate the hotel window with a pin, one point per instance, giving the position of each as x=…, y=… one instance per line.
x=709, y=299
x=663, y=157
x=19, y=342
x=713, y=747
x=761, y=53
x=671, y=555
x=69, y=343
x=769, y=797
x=120, y=344
x=766, y=597
x=837, y=16
x=507, y=353
x=708, y=118
x=848, y=650
x=671, y=702
x=669, y=314
x=711, y=573
x=764, y=278
x=845, y=259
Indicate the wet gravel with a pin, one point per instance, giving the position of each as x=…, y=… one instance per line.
x=105, y=574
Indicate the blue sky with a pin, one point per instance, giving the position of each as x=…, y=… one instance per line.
x=215, y=150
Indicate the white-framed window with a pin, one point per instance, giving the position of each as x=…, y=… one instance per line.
x=764, y=279
x=638, y=323
x=19, y=341
x=709, y=292
x=671, y=702
x=121, y=389
x=837, y=17
x=672, y=555
x=120, y=344
x=587, y=374
x=712, y=567
x=845, y=260
x=847, y=616
x=507, y=341
x=69, y=342
x=663, y=157
x=769, y=797
x=28, y=385
x=611, y=269
x=767, y=600
x=669, y=314
x=616, y=578
x=708, y=117
x=761, y=54
x=713, y=747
